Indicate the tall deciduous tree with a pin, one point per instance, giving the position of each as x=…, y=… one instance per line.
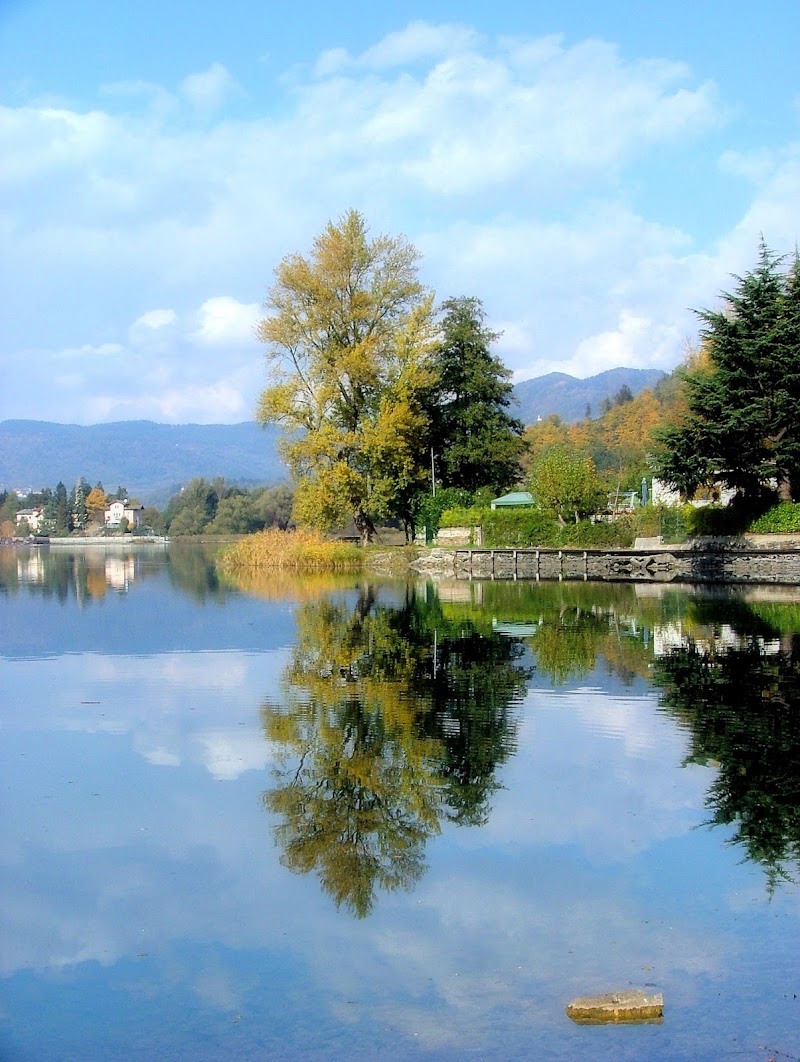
x=476, y=442
x=742, y=427
x=348, y=337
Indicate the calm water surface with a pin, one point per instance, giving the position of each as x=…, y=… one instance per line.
x=340, y=820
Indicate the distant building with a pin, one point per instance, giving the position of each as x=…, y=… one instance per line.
x=119, y=511
x=32, y=517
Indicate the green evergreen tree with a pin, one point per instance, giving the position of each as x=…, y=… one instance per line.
x=743, y=424
x=57, y=518
x=475, y=440
x=80, y=514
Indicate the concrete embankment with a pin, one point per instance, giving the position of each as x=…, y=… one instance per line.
x=748, y=559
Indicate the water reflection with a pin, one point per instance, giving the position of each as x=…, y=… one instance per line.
x=422, y=731
x=738, y=694
x=393, y=719
x=87, y=574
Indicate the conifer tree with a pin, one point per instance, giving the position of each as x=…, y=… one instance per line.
x=742, y=428
x=475, y=440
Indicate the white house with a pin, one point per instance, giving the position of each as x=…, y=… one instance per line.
x=33, y=517
x=119, y=511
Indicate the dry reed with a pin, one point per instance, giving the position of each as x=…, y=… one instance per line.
x=290, y=551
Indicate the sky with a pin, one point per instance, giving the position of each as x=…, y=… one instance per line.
x=593, y=173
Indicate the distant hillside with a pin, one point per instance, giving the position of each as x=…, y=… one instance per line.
x=151, y=460
x=154, y=460
x=568, y=396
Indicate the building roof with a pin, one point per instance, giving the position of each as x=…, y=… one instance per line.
x=516, y=497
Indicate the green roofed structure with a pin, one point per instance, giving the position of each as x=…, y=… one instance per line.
x=515, y=498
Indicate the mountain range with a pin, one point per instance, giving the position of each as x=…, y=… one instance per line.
x=152, y=461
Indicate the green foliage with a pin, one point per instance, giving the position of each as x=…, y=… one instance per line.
x=57, y=516
x=620, y=532
x=733, y=519
x=518, y=527
x=152, y=520
x=235, y=515
x=475, y=440
x=565, y=483
x=10, y=505
x=675, y=523
x=742, y=426
x=80, y=514
x=272, y=506
x=429, y=507
x=470, y=516
x=780, y=519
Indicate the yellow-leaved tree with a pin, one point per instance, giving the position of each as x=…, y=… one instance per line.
x=349, y=334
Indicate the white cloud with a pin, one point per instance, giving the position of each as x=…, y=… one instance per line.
x=223, y=320
x=156, y=319
x=419, y=40
x=627, y=344
x=528, y=171
x=207, y=91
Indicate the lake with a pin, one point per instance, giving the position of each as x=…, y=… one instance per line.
x=343, y=819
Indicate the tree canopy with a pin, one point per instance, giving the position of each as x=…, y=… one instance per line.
x=565, y=482
x=348, y=334
x=742, y=425
x=475, y=440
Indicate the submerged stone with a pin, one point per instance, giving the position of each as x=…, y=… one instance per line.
x=629, y=1005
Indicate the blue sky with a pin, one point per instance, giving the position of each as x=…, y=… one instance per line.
x=590, y=173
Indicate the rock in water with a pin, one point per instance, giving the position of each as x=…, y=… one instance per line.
x=629, y=1005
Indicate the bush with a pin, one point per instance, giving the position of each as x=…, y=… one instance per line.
x=430, y=509
x=674, y=523
x=604, y=534
x=474, y=516
x=780, y=519
x=518, y=527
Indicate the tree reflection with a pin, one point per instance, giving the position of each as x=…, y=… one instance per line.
x=393, y=720
x=572, y=625
x=740, y=704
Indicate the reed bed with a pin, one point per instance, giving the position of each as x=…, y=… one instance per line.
x=290, y=551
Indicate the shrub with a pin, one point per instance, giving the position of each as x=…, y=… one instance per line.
x=601, y=535
x=780, y=519
x=674, y=523
x=473, y=516
x=518, y=527
x=431, y=507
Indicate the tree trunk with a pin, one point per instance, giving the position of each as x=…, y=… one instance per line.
x=364, y=526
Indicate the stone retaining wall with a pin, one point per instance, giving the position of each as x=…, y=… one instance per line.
x=706, y=562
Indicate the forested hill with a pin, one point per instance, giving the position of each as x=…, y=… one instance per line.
x=152, y=461
x=570, y=397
